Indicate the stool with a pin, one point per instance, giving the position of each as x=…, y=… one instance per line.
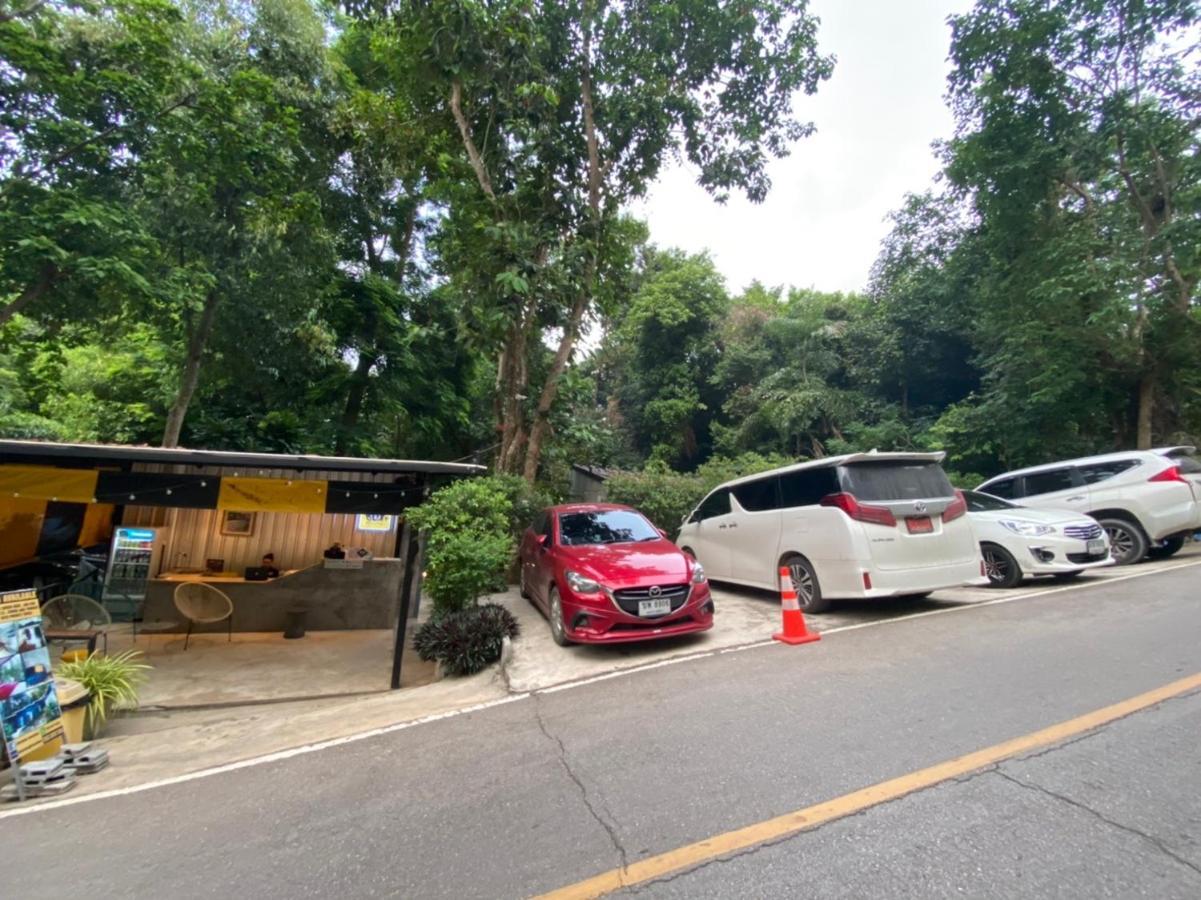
x=294, y=628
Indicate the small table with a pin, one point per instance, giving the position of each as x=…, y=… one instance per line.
x=76, y=636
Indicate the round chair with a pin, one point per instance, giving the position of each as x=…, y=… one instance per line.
x=203, y=604
x=76, y=613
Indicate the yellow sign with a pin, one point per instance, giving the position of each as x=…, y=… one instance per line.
x=371, y=522
x=272, y=495
x=48, y=483
x=29, y=712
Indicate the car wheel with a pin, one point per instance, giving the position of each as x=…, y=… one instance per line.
x=558, y=631
x=1167, y=547
x=805, y=583
x=1001, y=568
x=1067, y=576
x=1126, y=540
x=521, y=585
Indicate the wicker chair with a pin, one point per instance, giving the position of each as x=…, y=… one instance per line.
x=203, y=604
x=75, y=612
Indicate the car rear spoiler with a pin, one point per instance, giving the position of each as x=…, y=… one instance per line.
x=1187, y=449
x=901, y=455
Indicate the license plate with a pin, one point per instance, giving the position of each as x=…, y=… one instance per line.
x=660, y=606
x=1096, y=548
x=920, y=525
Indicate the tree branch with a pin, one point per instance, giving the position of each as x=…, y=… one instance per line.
x=30, y=294
x=477, y=162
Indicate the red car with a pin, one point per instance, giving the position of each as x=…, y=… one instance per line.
x=604, y=574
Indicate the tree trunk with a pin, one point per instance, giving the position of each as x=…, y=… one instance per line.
x=512, y=378
x=550, y=389
x=1146, y=408
x=191, y=371
x=29, y=295
x=354, y=401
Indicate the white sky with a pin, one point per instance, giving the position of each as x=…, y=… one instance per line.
x=823, y=221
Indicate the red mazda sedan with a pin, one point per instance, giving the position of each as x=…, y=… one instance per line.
x=604, y=574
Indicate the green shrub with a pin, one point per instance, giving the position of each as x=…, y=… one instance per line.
x=526, y=501
x=666, y=497
x=470, y=543
x=468, y=640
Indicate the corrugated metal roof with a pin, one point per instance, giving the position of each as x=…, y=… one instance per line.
x=45, y=451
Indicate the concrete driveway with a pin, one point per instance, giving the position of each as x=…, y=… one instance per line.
x=744, y=616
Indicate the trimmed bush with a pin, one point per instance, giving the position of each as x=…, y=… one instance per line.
x=666, y=497
x=469, y=545
x=467, y=641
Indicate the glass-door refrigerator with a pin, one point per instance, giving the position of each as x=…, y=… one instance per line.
x=133, y=560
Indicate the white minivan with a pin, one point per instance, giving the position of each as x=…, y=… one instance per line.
x=862, y=525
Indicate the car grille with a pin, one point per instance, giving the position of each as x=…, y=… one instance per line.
x=648, y=624
x=1087, y=557
x=628, y=598
x=1083, y=532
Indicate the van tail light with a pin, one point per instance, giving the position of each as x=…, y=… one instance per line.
x=867, y=581
x=877, y=515
x=1171, y=473
x=957, y=507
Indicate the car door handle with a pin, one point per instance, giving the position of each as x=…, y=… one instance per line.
x=1077, y=497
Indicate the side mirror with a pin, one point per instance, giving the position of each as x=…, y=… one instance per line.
x=542, y=540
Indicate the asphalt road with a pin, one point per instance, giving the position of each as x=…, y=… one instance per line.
x=542, y=792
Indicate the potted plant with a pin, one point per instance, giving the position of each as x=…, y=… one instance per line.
x=112, y=682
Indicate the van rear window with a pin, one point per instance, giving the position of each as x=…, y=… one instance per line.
x=895, y=480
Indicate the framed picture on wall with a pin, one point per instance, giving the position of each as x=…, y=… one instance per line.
x=237, y=524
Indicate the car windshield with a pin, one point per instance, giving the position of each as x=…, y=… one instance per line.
x=898, y=479
x=605, y=526
x=978, y=502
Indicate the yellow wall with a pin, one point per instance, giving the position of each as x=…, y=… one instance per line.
x=20, y=527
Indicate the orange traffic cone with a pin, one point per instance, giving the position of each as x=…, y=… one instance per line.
x=794, y=631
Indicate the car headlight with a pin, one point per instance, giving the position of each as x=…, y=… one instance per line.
x=698, y=572
x=1026, y=529
x=582, y=585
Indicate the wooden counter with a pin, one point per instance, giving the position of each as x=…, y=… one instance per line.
x=335, y=598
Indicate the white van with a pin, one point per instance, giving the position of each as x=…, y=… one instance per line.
x=863, y=525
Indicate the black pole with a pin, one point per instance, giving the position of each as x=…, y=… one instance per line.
x=408, y=579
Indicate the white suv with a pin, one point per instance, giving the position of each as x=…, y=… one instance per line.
x=863, y=525
x=1141, y=498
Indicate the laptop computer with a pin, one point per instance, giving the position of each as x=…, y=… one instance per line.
x=257, y=573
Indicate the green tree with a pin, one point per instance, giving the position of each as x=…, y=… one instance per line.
x=565, y=113
x=1077, y=140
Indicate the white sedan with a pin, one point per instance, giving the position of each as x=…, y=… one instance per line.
x=1016, y=541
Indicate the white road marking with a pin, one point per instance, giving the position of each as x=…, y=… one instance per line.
x=261, y=760
x=479, y=707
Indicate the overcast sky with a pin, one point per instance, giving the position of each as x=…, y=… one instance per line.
x=823, y=221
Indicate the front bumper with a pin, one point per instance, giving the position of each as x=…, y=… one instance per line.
x=1057, y=555
x=597, y=619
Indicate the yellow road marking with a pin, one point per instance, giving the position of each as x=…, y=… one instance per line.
x=692, y=855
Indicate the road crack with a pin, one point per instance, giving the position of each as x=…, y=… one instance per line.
x=1151, y=839
x=609, y=827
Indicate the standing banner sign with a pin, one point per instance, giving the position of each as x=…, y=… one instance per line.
x=29, y=710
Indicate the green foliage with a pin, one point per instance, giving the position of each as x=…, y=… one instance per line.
x=470, y=541
x=112, y=681
x=466, y=641
x=667, y=497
